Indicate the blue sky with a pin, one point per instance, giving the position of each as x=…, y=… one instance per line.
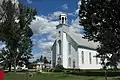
x=46, y=7
x=44, y=27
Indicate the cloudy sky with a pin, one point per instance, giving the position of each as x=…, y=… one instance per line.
x=46, y=20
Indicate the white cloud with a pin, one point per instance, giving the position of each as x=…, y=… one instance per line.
x=29, y=1
x=55, y=15
x=79, y=3
x=75, y=23
x=2, y=46
x=71, y=14
x=65, y=6
x=77, y=11
x=45, y=45
x=43, y=26
x=75, y=27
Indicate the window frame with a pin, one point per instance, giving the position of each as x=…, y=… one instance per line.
x=96, y=59
x=90, y=58
x=82, y=57
x=69, y=62
x=60, y=47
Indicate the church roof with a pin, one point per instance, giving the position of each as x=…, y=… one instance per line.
x=78, y=38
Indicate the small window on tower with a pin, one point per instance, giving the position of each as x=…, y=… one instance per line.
x=62, y=20
x=65, y=18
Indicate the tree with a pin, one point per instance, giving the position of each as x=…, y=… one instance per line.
x=101, y=21
x=6, y=58
x=41, y=58
x=50, y=62
x=15, y=31
x=37, y=60
x=45, y=61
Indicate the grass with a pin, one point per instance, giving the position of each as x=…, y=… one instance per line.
x=50, y=76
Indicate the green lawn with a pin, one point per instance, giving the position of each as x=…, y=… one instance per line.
x=50, y=76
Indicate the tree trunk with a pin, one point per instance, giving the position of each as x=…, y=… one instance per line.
x=105, y=74
x=9, y=66
x=14, y=65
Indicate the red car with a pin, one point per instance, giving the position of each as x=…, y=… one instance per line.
x=1, y=73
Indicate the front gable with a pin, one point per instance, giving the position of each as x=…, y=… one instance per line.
x=72, y=42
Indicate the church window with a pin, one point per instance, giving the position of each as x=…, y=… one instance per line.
x=69, y=48
x=90, y=60
x=53, y=64
x=59, y=42
x=59, y=61
x=82, y=57
x=65, y=18
x=69, y=62
x=96, y=60
x=73, y=63
x=59, y=33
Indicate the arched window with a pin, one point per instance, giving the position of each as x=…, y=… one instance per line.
x=69, y=62
x=73, y=63
x=59, y=61
x=82, y=54
x=60, y=50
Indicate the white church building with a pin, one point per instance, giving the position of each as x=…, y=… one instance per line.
x=71, y=50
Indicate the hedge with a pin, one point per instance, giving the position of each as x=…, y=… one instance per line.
x=93, y=73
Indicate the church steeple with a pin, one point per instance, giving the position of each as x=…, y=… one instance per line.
x=62, y=19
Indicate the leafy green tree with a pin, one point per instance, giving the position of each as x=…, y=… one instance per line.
x=37, y=60
x=6, y=58
x=45, y=61
x=101, y=21
x=15, y=30
x=41, y=58
x=50, y=62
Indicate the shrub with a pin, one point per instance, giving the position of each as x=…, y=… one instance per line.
x=94, y=73
x=59, y=68
x=51, y=70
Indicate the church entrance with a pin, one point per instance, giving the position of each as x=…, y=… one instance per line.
x=73, y=64
x=59, y=61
